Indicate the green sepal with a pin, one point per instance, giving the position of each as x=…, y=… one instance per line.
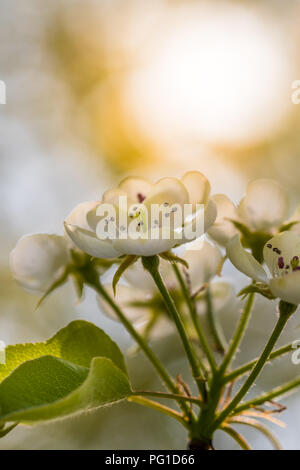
x=126, y=263
x=169, y=256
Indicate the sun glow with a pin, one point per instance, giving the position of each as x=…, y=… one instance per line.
x=219, y=75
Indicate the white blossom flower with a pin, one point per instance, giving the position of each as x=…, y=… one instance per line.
x=154, y=237
x=39, y=260
x=281, y=255
x=259, y=215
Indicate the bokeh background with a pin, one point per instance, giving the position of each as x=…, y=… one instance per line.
x=99, y=89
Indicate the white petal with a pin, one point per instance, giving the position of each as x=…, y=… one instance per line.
x=223, y=230
x=244, y=261
x=168, y=190
x=138, y=277
x=38, y=260
x=200, y=223
x=78, y=216
x=136, y=188
x=287, y=287
x=88, y=242
x=295, y=218
x=222, y=295
x=204, y=260
x=112, y=196
x=197, y=186
x=280, y=250
x=265, y=205
x=125, y=298
x=144, y=246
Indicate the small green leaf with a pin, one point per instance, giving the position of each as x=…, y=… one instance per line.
x=4, y=431
x=59, y=282
x=288, y=226
x=128, y=261
x=169, y=256
x=258, y=288
x=78, y=369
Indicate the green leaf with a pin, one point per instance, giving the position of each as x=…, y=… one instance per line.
x=78, y=369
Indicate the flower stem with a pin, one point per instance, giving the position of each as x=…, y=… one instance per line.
x=151, y=265
x=238, y=335
x=159, y=407
x=246, y=367
x=92, y=279
x=237, y=437
x=268, y=396
x=281, y=322
x=215, y=326
x=170, y=396
x=195, y=319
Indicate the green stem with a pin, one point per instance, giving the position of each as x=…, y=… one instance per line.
x=246, y=367
x=268, y=396
x=170, y=396
x=151, y=265
x=93, y=281
x=238, y=335
x=195, y=319
x=260, y=427
x=215, y=326
x=161, y=408
x=237, y=437
x=281, y=322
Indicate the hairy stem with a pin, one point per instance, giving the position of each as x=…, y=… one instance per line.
x=151, y=265
x=265, y=397
x=159, y=407
x=281, y=322
x=246, y=367
x=93, y=281
x=236, y=436
x=170, y=396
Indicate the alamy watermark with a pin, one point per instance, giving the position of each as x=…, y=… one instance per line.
x=2, y=92
x=153, y=221
x=296, y=353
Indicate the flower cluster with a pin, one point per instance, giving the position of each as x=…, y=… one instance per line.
x=260, y=223
x=167, y=265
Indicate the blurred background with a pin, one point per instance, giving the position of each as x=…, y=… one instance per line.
x=99, y=89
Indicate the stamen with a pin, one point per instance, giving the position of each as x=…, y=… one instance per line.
x=280, y=262
x=276, y=250
x=166, y=204
x=269, y=245
x=295, y=263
